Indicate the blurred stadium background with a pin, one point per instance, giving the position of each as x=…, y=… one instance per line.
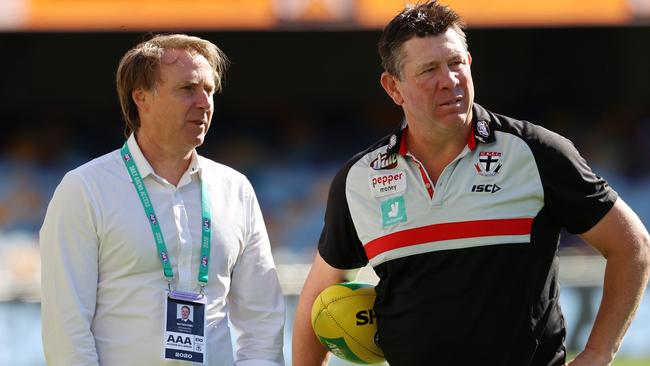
x=302, y=96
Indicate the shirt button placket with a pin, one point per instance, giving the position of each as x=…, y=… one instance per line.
x=183, y=241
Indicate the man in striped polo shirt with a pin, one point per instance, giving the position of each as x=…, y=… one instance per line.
x=459, y=212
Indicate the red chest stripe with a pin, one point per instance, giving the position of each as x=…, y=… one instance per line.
x=448, y=231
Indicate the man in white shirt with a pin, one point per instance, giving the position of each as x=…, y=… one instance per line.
x=128, y=230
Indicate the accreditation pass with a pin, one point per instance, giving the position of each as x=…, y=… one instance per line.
x=184, y=335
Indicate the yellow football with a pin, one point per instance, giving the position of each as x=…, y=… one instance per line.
x=344, y=322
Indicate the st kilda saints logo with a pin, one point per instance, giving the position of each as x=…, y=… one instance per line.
x=488, y=163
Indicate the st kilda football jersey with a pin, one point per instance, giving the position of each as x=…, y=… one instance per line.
x=468, y=266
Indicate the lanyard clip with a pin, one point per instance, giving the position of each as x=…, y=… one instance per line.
x=169, y=284
x=202, y=289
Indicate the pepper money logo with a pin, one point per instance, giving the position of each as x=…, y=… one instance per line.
x=127, y=157
x=204, y=261
x=153, y=219
x=385, y=184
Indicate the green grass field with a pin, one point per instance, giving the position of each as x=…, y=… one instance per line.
x=631, y=362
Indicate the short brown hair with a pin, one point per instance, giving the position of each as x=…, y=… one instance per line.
x=420, y=20
x=139, y=67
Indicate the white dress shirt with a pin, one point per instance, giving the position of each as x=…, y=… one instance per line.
x=103, y=284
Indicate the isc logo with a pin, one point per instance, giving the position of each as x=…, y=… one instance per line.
x=366, y=317
x=490, y=188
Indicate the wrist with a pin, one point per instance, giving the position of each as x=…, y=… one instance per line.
x=597, y=356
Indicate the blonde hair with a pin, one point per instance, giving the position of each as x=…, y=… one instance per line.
x=139, y=67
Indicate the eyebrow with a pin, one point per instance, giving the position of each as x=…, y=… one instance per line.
x=427, y=65
x=193, y=82
x=453, y=56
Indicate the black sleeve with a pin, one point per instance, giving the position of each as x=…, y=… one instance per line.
x=339, y=243
x=575, y=195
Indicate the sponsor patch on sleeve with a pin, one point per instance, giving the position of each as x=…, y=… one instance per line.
x=387, y=184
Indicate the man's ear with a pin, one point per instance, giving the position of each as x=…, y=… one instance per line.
x=140, y=98
x=469, y=57
x=389, y=83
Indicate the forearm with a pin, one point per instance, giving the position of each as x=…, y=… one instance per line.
x=625, y=282
x=67, y=305
x=623, y=240
x=257, y=312
x=67, y=344
x=306, y=349
x=255, y=300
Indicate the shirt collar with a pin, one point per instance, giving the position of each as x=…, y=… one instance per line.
x=140, y=161
x=397, y=140
x=145, y=168
x=482, y=132
x=196, y=167
x=482, y=127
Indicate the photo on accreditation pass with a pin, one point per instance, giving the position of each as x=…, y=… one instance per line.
x=184, y=318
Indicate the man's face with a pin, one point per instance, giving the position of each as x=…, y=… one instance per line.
x=185, y=313
x=436, y=88
x=179, y=111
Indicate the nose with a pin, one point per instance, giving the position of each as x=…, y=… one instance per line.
x=450, y=78
x=203, y=99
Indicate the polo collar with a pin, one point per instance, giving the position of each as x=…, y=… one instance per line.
x=482, y=132
x=482, y=126
x=397, y=140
